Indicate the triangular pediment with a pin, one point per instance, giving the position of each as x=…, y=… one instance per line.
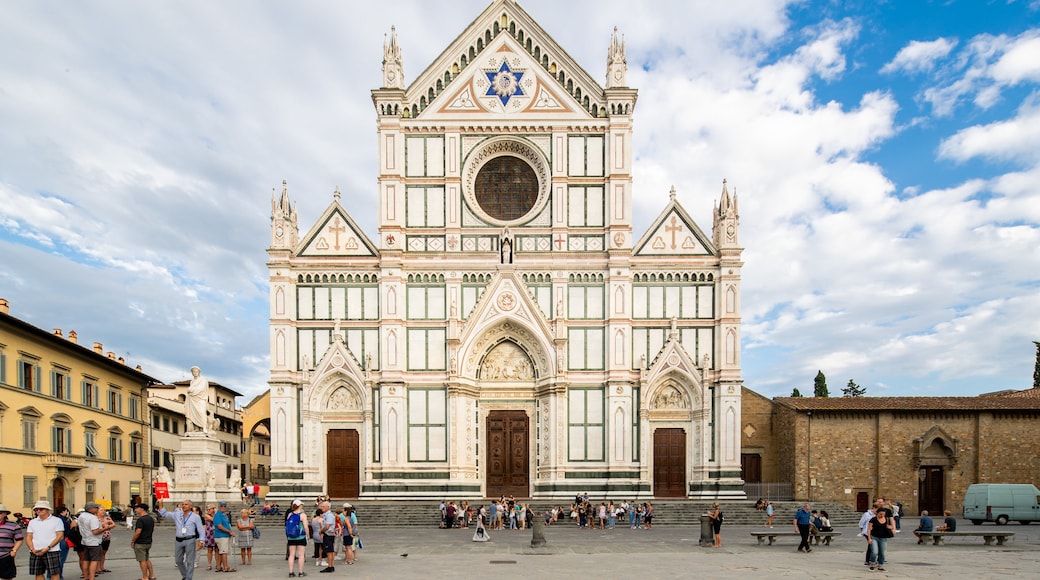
x=673, y=359
x=539, y=77
x=335, y=233
x=674, y=233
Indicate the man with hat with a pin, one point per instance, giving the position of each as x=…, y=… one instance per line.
x=188, y=535
x=91, y=529
x=43, y=535
x=222, y=534
x=11, y=538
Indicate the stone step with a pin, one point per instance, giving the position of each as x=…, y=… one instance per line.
x=383, y=513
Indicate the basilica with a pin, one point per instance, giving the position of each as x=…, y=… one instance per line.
x=505, y=331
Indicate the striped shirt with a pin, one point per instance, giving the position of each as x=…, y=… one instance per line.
x=10, y=534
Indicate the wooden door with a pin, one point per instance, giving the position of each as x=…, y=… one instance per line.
x=508, y=459
x=930, y=489
x=59, y=494
x=670, y=463
x=751, y=468
x=862, y=501
x=344, y=463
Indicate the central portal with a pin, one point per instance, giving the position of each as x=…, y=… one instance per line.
x=508, y=459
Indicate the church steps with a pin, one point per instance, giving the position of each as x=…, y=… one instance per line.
x=382, y=513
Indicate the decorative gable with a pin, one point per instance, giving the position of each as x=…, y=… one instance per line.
x=505, y=80
x=674, y=233
x=336, y=234
x=504, y=62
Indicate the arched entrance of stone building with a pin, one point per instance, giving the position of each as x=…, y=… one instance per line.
x=58, y=492
x=933, y=453
x=508, y=454
x=669, y=462
x=343, y=451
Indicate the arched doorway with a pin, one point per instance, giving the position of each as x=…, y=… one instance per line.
x=58, y=485
x=669, y=463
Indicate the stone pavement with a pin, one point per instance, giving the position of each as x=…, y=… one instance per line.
x=663, y=552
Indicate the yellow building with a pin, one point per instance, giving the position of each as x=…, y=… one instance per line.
x=256, y=438
x=73, y=420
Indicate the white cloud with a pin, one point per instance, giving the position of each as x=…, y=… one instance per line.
x=1016, y=139
x=920, y=55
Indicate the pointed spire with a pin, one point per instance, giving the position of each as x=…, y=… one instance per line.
x=335, y=194
x=724, y=204
x=393, y=63
x=617, y=62
x=284, y=202
x=671, y=194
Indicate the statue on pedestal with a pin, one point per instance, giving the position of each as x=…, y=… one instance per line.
x=196, y=401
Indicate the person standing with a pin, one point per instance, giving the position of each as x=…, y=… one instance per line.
x=802, y=522
x=11, y=539
x=141, y=543
x=43, y=534
x=245, y=526
x=769, y=514
x=91, y=530
x=106, y=538
x=716, y=524
x=188, y=534
x=878, y=532
x=222, y=534
x=864, y=523
x=328, y=536
x=296, y=538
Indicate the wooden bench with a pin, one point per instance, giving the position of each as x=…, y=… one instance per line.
x=772, y=536
x=987, y=537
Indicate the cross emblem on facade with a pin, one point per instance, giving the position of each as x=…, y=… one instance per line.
x=560, y=241
x=673, y=229
x=336, y=229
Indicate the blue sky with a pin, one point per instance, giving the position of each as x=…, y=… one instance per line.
x=886, y=158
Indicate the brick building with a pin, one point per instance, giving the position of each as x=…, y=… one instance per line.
x=921, y=451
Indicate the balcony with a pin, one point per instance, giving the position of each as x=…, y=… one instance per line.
x=64, y=461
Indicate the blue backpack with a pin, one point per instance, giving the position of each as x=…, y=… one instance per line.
x=294, y=526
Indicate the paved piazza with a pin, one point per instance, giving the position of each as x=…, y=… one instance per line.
x=664, y=552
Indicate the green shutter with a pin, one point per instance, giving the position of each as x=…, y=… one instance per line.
x=36, y=378
x=3, y=369
x=54, y=384
x=21, y=374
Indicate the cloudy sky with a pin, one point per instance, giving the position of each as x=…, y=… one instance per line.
x=886, y=156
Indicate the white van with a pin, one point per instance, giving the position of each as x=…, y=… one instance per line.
x=1002, y=502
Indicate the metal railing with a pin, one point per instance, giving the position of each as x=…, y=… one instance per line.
x=777, y=491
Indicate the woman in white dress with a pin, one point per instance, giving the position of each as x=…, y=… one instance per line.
x=480, y=534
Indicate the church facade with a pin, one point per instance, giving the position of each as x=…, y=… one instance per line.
x=505, y=332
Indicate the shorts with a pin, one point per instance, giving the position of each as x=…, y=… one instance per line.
x=105, y=544
x=49, y=563
x=141, y=552
x=222, y=545
x=329, y=543
x=91, y=554
x=298, y=542
x=7, y=568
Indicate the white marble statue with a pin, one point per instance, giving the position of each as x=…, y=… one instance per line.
x=235, y=479
x=196, y=401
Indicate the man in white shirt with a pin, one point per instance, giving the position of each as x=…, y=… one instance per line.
x=43, y=535
x=91, y=528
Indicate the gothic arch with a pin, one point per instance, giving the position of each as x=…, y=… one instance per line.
x=935, y=447
x=672, y=394
x=473, y=354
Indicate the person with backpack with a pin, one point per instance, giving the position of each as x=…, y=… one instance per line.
x=296, y=537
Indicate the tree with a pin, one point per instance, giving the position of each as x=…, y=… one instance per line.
x=1036, y=367
x=796, y=392
x=820, y=385
x=853, y=390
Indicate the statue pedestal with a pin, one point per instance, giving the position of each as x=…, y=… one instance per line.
x=201, y=471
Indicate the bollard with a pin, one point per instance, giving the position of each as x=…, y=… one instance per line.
x=538, y=535
x=707, y=534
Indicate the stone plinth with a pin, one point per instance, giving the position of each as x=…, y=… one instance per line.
x=201, y=471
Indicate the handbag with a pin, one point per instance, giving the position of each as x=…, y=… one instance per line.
x=256, y=532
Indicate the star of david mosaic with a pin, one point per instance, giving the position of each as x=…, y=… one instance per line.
x=505, y=83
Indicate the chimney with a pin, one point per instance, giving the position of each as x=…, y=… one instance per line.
x=122, y=360
x=139, y=369
x=57, y=332
x=73, y=337
x=111, y=355
x=4, y=306
x=98, y=348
